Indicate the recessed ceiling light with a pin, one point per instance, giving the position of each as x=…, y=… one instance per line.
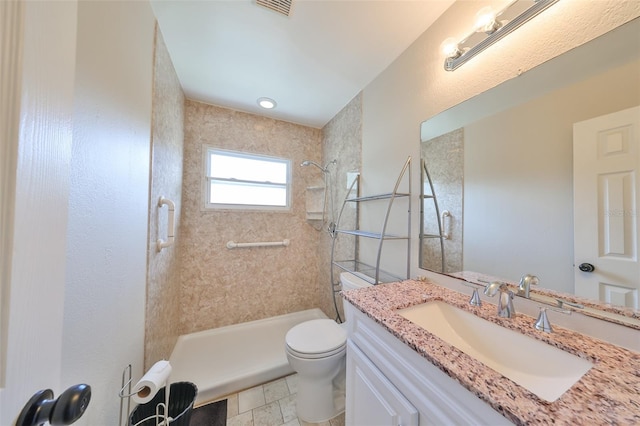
x=267, y=103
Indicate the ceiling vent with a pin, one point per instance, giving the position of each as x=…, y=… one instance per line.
x=280, y=6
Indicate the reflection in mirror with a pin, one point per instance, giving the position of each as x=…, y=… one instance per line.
x=441, y=209
x=514, y=173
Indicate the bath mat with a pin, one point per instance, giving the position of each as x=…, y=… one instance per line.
x=214, y=414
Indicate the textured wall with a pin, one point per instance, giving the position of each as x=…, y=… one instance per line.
x=444, y=157
x=162, y=323
x=342, y=141
x=416, y=86
x=222, y=286
x=109, y=201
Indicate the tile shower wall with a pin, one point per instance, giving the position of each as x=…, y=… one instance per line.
x=342, y=141
x=163, y=279
x=221, y=286
x=444, y=156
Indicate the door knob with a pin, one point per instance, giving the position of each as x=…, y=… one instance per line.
x=586, y=267
x=42, y=407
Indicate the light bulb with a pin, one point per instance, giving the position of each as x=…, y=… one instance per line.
x=449, y=48
x=267, y=103
x=486, y=20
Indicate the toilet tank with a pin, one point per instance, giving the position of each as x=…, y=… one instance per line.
x=351, y=281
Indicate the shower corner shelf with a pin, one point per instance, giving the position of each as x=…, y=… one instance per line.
x=314, y=200
x=314, y=216
x=366, y=271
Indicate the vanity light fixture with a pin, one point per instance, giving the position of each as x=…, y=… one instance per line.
x=490, y=26
x=486, y=21
x=450, y=48
x=267, y=103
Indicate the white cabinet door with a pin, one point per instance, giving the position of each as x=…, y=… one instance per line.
x=372, y=399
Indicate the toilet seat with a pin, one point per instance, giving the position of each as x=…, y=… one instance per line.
x=318, y=355
x=316, y=339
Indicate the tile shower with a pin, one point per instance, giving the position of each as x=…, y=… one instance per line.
x=199, y=284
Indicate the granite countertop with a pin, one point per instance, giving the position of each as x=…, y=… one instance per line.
x=609, y=393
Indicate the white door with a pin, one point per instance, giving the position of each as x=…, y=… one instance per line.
x=606, y=156
x=32, y=297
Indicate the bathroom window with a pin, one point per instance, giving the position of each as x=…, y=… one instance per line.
x=238, y=180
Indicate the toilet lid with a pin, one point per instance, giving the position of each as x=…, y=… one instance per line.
x=316, y=336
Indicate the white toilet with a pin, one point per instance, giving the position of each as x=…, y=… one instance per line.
x=316, y=350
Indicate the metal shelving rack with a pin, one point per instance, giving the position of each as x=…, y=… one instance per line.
x=368, y=272
x=439, y=219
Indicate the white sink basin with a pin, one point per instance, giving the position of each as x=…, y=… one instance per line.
x=543, y=369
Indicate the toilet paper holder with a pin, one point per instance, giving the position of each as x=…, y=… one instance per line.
x=126, y=393
x=127, y=378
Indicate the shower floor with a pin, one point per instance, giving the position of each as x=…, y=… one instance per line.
x=226, y=360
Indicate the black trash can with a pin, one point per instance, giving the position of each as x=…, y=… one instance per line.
x=182, y=396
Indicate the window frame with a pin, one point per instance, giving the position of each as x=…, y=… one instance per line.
x=208, y=150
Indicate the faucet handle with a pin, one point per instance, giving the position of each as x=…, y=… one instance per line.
x=475, y=298
x=542, y=323
x=561, y=304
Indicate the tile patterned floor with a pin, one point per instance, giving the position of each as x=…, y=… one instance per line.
x=271, y=404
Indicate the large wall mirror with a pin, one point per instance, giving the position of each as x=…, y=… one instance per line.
x=502, y=169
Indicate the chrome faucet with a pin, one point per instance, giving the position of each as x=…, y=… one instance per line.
x=526, y=281
x=505, y=300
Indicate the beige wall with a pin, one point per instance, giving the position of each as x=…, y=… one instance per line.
x=162, y=319
x=416, y=87
x=276, y=284
x=221, y=286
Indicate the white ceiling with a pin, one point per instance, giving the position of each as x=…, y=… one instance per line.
x=231, y=52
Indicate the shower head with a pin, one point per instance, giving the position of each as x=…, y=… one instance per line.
x=312, y=163
x=325, y=169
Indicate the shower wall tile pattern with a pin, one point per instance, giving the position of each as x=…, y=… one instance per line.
x=342, y=141
x=444, y=156
x=220, y=286
x=163, y=279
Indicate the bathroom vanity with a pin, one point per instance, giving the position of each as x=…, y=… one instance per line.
x=400, y=373
x=389, y=383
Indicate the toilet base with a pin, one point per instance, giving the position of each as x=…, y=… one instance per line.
x=316, y=350
x=319, y=401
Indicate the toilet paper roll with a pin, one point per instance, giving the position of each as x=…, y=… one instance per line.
x=151, y=382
